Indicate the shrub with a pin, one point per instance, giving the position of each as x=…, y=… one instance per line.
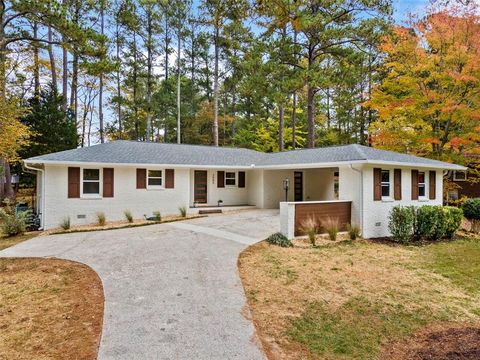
x=279, y=239
x=128, y=215
x=65, y=224
x=157, y=216
x=309, y=227
x=471, y=210
x=331, y=225
x=432, y=222
x=13, y=223
x=183, y=211
x=353, y=231
x=454, y=220
x=402, y=223
x=101, y=219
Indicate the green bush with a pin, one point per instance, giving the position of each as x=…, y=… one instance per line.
x=128, y=215
x=401, y=223
x=101, y=219
x=432, y=222
x=471, y=210
x=454, y=220
x=183, y=211
x=65, y=224
x=353, y=231
x=13, y=223
x=279, y=239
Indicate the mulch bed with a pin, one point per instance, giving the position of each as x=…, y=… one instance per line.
x=442, y=342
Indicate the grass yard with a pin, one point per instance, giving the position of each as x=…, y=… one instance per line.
x=49, y=309
x=365, y=300
x=6, y=242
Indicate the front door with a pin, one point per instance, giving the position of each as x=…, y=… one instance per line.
x=298, y=185
x=200, y=187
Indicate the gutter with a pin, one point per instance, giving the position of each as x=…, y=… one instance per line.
x=33, y=170
x=361, y=195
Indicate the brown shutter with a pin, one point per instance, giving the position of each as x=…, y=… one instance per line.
x=397, y=184
x=414, y=184
x=141, y=178
x=169, y=178
x=220, y=179
x=108, y=182
x=432, y=185
x=377, y=184
x=73, y=182
x=241, y=179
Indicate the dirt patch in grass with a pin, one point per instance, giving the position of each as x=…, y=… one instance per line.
x=6, y=242
x=440, y=342
x=348, y=300
x=49, y=309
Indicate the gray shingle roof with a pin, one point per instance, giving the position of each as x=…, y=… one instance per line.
x=132, y=152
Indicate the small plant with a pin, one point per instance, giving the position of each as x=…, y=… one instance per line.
x=279, y=239
x=128, y=216
x=157, y=216
x=183, y=211
x=331, y=225
x=101, y=219
x=401, y=223
x=13, y=222
x=65, y=224
x=471, y=210
x=309, y=227
x=353, y=231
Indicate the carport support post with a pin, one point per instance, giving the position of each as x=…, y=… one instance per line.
x=287, y=219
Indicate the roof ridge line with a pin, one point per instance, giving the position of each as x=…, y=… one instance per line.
x=359, y=150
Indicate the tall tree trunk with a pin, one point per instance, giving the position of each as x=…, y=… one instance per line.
x=100, y=89
x=310, y=116
x=3, y=66
x=119, y=93
x=215, y=86
x=294, y=120
x=135, y=107
x=281, y=124
x=179, y=73
x=74, y=87
x=166, y=49
x=51, y=56
x=8, y=182
x=192, y=75
x=36, y=63
x=149, y=73
x=64, y=67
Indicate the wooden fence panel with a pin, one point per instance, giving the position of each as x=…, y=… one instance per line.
x=341, y=210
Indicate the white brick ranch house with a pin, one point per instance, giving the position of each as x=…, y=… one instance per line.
x=353, y=183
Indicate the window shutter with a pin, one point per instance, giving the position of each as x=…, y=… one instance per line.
x=432, y=185
x=241, y=179
x=377, y=184
x=141, y=178
x=169, y=178
x=107, y=182
x=397, y=184
x=414, y=184
x=220, y=179
x=73, y=182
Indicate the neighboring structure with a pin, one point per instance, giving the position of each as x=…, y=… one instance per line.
x=463, y=184
x=362, y=183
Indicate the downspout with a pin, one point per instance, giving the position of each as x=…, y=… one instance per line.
x=42, y=204
x=361, y=195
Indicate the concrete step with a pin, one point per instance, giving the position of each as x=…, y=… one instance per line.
x=210, y=211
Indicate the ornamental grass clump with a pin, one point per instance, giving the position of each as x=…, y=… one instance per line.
x=353, y=231
x=128, y=216
x=309, y=227
x=101, y=219
x=183, y=211
x=331, y=225
x=65, y=224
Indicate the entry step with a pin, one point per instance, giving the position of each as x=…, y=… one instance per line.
x=210, y=211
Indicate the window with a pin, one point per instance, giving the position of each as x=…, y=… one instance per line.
x=421, y=184
x=154, y=178
x=385, y=183
x=91, y=181
x=459, y=175
x=452, y=195
x=336, y=184
x=230, y=179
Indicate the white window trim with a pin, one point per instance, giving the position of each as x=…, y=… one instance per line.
x=388, y=198
x=236, y=179
x=427, y=187
x=155, y=187
x=100, y=187
x=459, y=171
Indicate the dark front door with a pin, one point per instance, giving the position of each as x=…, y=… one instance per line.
x=298, y=186
x=200, y=187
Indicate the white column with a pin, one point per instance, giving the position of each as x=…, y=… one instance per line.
x=287, y=219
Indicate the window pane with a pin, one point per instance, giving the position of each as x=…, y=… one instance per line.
x=91, y=174
x=155, y=181
x=230, y=175
x=421, y=190
x=91, y=187
x=460, y=175
x=385, y=176
x=154, y=173
x=230, y=182
x=385, y=190
x=421, y=177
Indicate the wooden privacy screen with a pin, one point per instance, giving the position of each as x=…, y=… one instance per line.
x=341, y=210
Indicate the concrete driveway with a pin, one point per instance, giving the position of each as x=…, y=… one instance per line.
x=172, y=291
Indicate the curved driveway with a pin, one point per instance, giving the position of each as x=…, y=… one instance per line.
x=172, y=291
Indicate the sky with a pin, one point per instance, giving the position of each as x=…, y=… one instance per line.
x=403, y=7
